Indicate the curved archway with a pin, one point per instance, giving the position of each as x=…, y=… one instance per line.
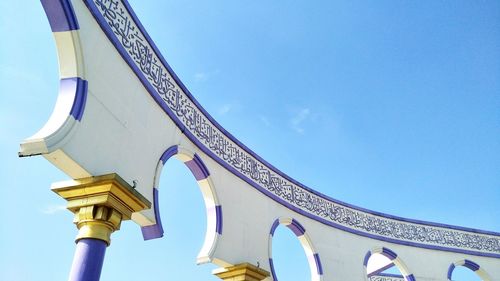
x=300, y=232
x=480, y=272
x=383, y=262
x=212, y=206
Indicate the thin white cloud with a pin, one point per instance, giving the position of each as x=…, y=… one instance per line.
x=223, y=110
x=264, y=120
x=297, y=120
x=52, y=209
x=201, y=77
x=204, y=76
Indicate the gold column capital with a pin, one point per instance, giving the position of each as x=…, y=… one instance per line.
x=100, y=204
x=241, y=272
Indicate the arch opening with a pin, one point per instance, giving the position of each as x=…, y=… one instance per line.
x=212, y=207
x=384, y=264
x=467, y=270
x=299, y=233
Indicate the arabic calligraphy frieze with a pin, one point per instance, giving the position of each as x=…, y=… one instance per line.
x=143, y=55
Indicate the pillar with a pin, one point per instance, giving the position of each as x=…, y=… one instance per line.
x=100, y=204
x=241, y=272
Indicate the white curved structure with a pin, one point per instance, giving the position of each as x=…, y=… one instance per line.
x=121, y=109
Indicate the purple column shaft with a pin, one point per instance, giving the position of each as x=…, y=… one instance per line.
x=88, y=260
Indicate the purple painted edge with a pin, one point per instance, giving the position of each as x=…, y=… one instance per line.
x=389, y=253
x=471, y=265
x=379, y=271
x=218, y=217
x=156, y=230
x=367, y=258
x=197, y=167
x=159, y=101
x=171, y=151
x=273, y=273
x=297, y=228
x=410, y=277
x=80, y=87
x=201, y=164
x=319, y=267
x=390, y=275
x=275, y=225
x=297, y=231
x=450, y=271
x=60, y=14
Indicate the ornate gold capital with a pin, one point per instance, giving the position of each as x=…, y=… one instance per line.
x=241, y=272
x=100, y=204
x=97, y=222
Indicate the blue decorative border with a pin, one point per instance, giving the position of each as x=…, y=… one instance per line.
x=125, y=31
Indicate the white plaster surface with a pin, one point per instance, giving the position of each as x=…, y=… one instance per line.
x=124, y=131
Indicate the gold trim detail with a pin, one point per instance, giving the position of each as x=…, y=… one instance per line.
x=100, y=204
x=241, y=272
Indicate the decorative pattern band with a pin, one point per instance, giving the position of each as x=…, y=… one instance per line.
x=128, y=35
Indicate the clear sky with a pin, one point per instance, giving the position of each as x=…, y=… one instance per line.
x=388, y=105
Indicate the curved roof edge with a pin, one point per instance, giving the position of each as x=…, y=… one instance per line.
x=209, y=136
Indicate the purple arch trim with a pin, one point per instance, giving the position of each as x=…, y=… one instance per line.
x=107, y=30
x=392, y=256
x=450, y=270
x=471, y=265
x=198, y=168
x=275, y=225
x=218, y=217
x=410, y=278
x=171, y=151
x=467, y=263
x=60, y=14
x=367, y=258
x=79, y=87
x=389, y=254
x=297, y=228
x=273, y=273
x=156, y=230
x=319, y=267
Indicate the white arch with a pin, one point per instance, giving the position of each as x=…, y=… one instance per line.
x=213, y=208
x=476, y=268
x=304, y=239
x=394, y=259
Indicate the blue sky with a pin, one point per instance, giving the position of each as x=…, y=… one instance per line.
x=388, y=105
